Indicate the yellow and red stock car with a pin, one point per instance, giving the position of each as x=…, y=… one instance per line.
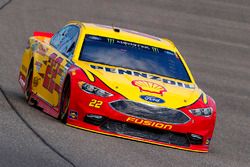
x=117, y=82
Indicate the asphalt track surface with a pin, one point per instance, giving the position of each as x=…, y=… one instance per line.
x=214, y=38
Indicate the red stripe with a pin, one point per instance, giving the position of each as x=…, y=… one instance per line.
x=43, y=34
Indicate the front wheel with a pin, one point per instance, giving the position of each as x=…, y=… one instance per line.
x=64, y=104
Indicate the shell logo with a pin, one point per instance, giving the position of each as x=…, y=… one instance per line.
x=147, y=86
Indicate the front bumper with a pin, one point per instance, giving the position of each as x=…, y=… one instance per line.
x=142, y=134
x=146, y=129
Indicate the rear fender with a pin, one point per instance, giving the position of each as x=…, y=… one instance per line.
x=26, y=63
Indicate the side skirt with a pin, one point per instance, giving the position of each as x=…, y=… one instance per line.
x=47, y=108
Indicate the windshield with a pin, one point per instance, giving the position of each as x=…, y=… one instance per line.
x=134, y=56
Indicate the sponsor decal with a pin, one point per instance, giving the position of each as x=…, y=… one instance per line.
x=38, y=66
x=208, y=141
x=151, y=87
x=45, y=62
x=52, y=69
x=121, y=71
x=21, y=80
x=73, y=114
x=36, y=81
x=61, y=80
x=34, y=46
x=42, y=50
x=155, y=49
x=24, y=68
x=39, y=48
x=111, y=41
x=152, y=99
x=95, y=103
x=134, y=45
x=148, y=123
x=60, y=71
x=41, y=75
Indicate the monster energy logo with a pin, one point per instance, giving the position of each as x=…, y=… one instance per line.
x=111, y=41
x=155, y=49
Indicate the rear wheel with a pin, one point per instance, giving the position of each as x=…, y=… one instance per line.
x=28, y=89
x=64, y=105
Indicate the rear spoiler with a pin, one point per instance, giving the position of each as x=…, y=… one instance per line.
x=43, y=34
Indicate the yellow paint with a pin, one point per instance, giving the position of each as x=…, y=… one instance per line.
x=89, y=75
x=204, y=98
x=174, y=96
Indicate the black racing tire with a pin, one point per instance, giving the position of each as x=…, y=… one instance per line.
x=64, y=104
x=28, y=88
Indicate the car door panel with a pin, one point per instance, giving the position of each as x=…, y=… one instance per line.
x=53, y=67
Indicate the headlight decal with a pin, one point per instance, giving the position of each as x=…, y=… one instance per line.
x=199, y=107
x=202, y=111
x=91, y=89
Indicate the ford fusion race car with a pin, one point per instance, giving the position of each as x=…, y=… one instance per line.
x=117, y=82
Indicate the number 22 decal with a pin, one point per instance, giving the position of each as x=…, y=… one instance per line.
x=95, y=103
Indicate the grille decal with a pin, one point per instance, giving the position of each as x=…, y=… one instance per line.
x=145, y=111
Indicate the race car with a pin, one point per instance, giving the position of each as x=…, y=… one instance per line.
x=117, y=82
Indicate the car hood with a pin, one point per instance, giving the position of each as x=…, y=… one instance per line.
x=144, y=87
